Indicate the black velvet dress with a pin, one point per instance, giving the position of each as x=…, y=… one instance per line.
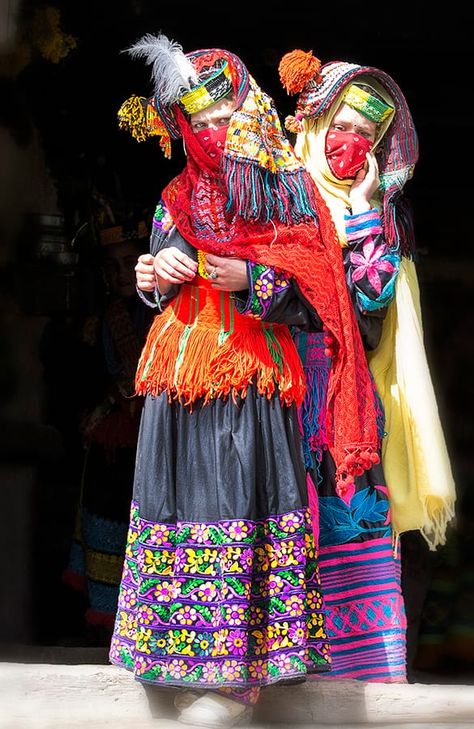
x=220, y=586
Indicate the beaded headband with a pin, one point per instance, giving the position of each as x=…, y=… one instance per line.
x=370, y=106
x=209, y=92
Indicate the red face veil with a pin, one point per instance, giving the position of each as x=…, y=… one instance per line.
x=212, y=140
x=345, y=153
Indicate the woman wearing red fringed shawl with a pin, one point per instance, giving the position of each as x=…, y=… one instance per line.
x=220, y=589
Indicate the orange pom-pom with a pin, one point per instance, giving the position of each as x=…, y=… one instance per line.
x=297, y=68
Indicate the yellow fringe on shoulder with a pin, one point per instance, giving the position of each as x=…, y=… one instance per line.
x=414, y=454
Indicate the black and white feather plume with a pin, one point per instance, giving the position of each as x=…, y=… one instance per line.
x=173, y=74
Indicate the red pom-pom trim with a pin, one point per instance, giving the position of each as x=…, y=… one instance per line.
x=354, y=464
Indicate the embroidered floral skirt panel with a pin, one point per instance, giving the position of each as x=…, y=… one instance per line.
x=220, y=584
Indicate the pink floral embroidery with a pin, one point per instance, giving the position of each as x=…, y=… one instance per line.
x=370, y=263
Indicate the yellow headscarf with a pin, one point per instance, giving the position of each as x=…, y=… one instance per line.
x=311, y=148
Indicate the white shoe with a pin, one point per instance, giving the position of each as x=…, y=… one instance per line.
x=213, y=710
x=185, y=697
x=160, y=700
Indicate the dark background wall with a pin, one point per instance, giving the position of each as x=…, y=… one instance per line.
x=60, y=119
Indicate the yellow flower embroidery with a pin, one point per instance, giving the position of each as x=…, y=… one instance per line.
x=238, y=530
x=201, y=562
x=177, y=668
x=160, y=563
x=142, y=641
x=163, y=591
x=131, y=539
x=145, y=615
x=258, y=669
x=159, y=534
x=207, y=592
x=264, y=289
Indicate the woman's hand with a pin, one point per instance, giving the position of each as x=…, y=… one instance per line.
x=145, y=273
x=227, y=274
x=174, y=266
x=366, y=182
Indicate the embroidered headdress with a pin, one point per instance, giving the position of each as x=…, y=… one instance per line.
x=319, y=87
x=263, y=177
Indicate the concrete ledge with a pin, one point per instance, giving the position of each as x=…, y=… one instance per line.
x=44, y=696
x=334, y=702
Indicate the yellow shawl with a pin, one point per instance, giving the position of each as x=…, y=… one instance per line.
x=414, y=454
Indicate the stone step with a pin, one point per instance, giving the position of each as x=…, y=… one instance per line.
x=60, y=696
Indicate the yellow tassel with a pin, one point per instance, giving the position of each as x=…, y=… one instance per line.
x=202, y=264
x=132, y=117
x=139, y=117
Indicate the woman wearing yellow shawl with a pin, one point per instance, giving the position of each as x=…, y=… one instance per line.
x=356, y=136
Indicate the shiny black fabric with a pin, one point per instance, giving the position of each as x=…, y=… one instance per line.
x=220, y=461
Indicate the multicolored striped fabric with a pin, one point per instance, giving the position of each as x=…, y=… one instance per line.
x=95, y=564
x=366, y=622
x=360, y=572
x=360, y=224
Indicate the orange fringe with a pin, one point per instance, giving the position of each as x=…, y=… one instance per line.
x=192, y=355
x=297, y=68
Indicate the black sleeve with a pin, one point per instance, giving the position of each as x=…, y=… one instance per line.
x=160, y=239
x=274, y=297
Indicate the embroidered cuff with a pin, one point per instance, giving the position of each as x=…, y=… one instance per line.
x=362, y=224
x=373, y=271
x=264, y=283
x=259, y=291
x=162, y=220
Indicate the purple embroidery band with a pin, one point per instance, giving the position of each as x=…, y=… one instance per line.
x=231, y=603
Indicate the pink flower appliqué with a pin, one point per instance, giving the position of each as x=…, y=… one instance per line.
x=370, y=264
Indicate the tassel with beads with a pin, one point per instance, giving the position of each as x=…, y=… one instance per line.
x=355, y=462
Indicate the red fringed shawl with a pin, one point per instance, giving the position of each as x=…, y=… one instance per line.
x=309, y=253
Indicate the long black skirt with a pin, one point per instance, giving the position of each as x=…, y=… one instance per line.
x=220, y=584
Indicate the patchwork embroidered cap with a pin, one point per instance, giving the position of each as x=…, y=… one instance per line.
x=189, y=81
x=319, y=86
